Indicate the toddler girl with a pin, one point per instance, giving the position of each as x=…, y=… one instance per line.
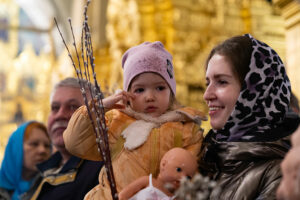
x=144, y=126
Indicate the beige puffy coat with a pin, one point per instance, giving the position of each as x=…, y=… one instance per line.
x=146, y=140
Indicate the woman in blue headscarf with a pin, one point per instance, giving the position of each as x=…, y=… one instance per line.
x=26, y=147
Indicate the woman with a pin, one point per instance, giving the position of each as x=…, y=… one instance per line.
x=26, y=147
x=248, y=94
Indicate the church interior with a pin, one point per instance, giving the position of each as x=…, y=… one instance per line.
x=33, y=57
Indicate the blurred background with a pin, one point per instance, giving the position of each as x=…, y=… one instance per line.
x=33, y=57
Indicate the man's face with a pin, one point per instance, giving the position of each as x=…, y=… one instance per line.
x=64, y=102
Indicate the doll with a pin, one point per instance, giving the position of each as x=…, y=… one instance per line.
x=175, y=164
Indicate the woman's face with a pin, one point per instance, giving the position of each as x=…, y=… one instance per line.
x=222, y=92
x=36, y=149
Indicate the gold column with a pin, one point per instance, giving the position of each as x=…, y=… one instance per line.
x=24, y=75
x=291, y=14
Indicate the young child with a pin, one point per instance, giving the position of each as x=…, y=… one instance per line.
x=144, y=127
x=175, y=164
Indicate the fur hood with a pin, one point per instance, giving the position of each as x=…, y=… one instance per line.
x=137, y=133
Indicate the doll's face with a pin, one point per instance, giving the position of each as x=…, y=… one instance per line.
x=175, y=165
x=289, y=188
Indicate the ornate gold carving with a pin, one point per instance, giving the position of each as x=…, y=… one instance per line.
x=291, y=13
x=188, y=28
x=24, y=75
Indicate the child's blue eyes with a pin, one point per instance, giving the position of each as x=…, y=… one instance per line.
x=160, y=88
x=140, y=90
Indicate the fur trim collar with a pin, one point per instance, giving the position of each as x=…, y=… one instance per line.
x=137, y=133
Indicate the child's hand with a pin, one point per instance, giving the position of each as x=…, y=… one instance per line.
x=118, y=100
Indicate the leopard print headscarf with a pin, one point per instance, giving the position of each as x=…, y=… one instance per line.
x=263, y=100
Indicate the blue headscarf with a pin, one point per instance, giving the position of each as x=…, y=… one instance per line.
x=12, y=164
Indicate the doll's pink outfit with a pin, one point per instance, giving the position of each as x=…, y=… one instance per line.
x=151, y=193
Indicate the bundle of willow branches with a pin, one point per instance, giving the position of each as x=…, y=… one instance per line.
x=199, y=188
x=95, y=107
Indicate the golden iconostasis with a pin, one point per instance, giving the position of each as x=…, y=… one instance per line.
x=33, y=57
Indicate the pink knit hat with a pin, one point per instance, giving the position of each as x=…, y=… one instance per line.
x=148, y=57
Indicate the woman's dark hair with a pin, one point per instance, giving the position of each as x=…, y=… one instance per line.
x=237, y=51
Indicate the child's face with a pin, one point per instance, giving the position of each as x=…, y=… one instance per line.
x=152, y=94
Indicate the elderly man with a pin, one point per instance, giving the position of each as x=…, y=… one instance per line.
x=65, y=176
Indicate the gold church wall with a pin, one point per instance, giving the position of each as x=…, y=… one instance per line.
x=290, y=10
x=24, y=73
x=188, y=29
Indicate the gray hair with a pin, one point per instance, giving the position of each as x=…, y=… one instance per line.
x=70, y=82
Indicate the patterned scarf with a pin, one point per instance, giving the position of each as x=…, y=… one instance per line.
x=263, y=100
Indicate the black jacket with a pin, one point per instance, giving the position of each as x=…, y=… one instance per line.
x=246, y=170
x=72, y=181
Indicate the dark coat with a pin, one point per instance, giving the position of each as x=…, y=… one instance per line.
x=245, y=170
x=5, y=194
x=72, y=181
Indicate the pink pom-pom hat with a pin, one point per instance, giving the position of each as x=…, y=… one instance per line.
x=148, y=57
